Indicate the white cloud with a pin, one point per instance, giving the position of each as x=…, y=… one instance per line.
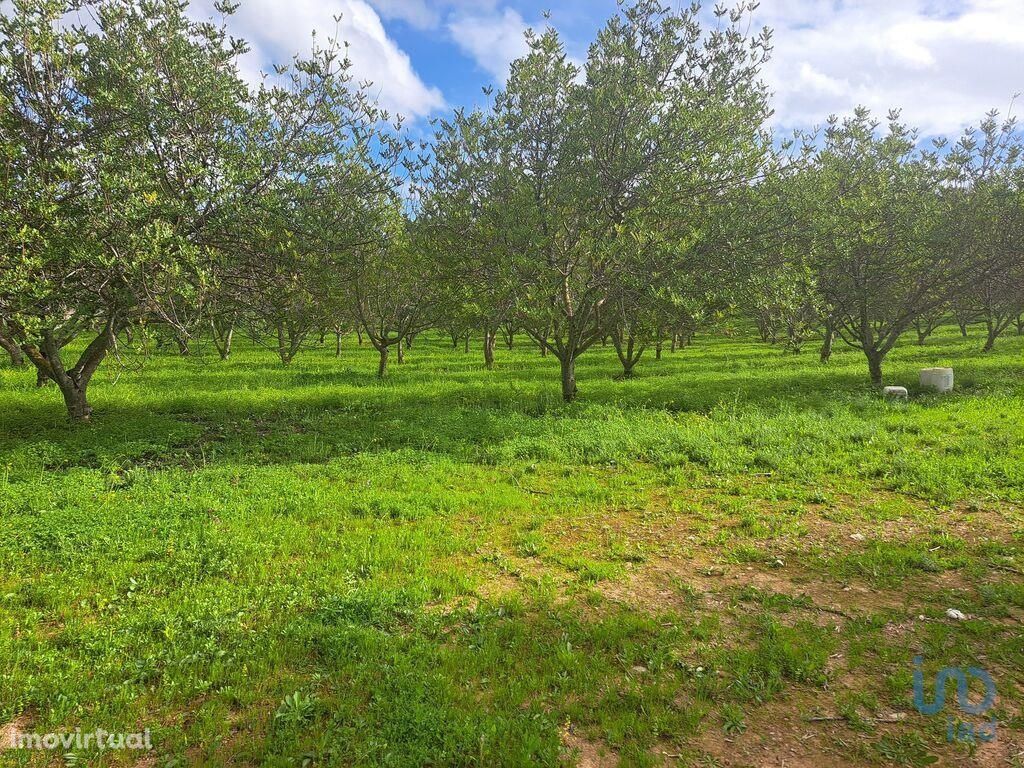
x=418, y=13
x=944, y=63
x=428, y=14
x=493, y=40
x=276, y=31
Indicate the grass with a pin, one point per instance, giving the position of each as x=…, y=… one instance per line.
x=304, y=566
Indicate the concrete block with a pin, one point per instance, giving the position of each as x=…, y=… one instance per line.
x=939, y=379
x=896, y=392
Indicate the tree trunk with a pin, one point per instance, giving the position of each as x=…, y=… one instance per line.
x=223, y=336
x=490, y=339
x=359, y=336
x=1020, y=325
x=990, y=337
x=568, y=377
x=76, y=402
x=963, y=329
x=337, y=343
x=225, y=351
x=182, y=342
x=282, y=346
x=657, y=350
x=41, y=378
x=73, y=383
x=382, y=368
x=627, y=351
x=875, y=366
x=995, y=325
x=12, y=350
x=829, y=341
x=401, y=352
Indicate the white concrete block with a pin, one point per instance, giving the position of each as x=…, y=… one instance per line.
x=897, y=392
x=939, y=379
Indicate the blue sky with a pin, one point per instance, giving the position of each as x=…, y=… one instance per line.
x=945, y=62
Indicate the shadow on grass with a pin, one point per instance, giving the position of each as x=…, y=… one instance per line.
x=253, y=410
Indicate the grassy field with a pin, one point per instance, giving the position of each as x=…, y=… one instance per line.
x=732, y=559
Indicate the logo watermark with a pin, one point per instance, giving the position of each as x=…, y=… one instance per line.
x=957, y=730
x=79, y=740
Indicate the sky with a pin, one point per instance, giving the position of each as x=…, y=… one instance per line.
x=944, y=62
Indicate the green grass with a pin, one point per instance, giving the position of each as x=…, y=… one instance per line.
x=303, y=565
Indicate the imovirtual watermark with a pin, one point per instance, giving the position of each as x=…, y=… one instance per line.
x=957, y=730
x=80, y=740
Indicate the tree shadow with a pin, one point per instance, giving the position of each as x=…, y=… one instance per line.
x=251, y=411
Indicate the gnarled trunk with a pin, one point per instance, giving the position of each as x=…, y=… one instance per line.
x=382, y=366
x=995, y=325
x=223, y=335
x=828, y=341
x=12, y=350
x=16, y=356
x=490, y=339
x=627, y=349
x=875, y=366
x=569, y=390
x=289, y=340
x=76, y=402
x=73, y=383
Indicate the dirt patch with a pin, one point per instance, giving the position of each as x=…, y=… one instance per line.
x=10, y=732
x=670, y=584
x=775, y=736
x=783, y=733
x=587, y=753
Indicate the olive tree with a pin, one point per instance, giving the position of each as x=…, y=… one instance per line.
x=874, y=223
x=461, y=224
x=110, y=135
x=610, y=173
x=984, y=191
x=141, y=172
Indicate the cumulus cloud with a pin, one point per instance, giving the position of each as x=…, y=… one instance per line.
x=494, y=40
x=276, y=31
x=418, y=13
x=429, y=14
x=944, y=63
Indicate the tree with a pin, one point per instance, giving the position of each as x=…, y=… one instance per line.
x=875, y=235
x=599, y=178
x=7, y=345
x=141, y=172
x=92, y=227
x=985, y=226
x=390, y=287
x=461, y=225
